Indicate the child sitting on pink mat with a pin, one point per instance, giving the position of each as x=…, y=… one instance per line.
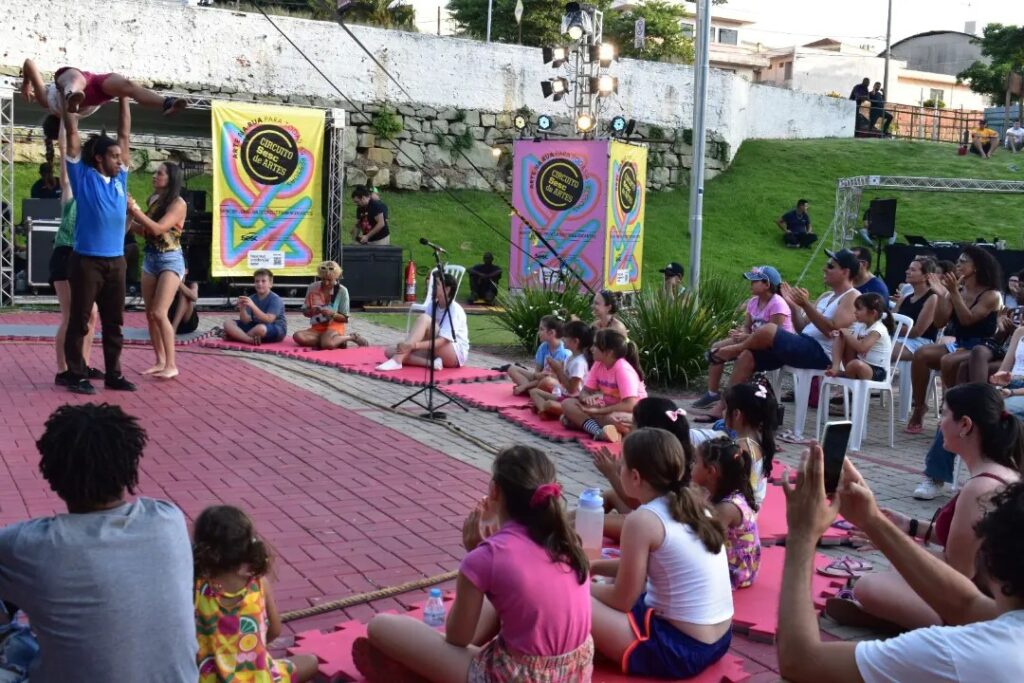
x=522, y=598
x=723, y=470
x=668, y=612
x=567, y=377
x=614, y=384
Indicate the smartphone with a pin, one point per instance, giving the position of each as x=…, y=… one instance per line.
x=834, y=443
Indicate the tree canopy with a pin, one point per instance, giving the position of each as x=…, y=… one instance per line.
x=1004, y=46
x=542, y=20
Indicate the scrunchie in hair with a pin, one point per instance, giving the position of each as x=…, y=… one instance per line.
x=544, y=492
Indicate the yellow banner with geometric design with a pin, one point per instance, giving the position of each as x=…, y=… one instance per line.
x=624, y=230
x=267, y=205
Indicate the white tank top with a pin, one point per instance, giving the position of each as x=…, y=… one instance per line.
x=827, y=306
x=684, y=581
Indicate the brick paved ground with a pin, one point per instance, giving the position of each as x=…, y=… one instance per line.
x=352, y=494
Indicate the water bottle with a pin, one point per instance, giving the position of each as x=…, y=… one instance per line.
x=590, y=522
x=433, y=613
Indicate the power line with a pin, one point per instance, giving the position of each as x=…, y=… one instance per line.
x=565, y=265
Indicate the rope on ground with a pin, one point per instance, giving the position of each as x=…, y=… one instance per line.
x=361, y=598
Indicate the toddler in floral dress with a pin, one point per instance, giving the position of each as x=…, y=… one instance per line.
x=235, y=612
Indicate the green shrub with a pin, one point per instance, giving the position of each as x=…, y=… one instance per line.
x=386, y=124
x=524, y=309
x=672, y=334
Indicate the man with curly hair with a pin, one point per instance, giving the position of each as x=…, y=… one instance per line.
x=107, y=586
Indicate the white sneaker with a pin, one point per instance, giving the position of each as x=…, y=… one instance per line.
x=438, y=364
x=389, y=365
x=929, y=490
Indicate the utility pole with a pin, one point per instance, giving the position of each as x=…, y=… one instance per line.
x=700, y=92
x=888, y=54
x=490, y=10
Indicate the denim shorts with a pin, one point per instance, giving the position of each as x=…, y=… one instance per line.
x=156, y=262
x=794, y=350
x=275, y=332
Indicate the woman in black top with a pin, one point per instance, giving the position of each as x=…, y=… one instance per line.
x=919, y=306
x=969, y=302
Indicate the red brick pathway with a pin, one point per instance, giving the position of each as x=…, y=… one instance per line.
x=348, y=505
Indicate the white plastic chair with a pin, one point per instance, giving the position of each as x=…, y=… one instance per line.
x=907, y=390
x=802, y=379
x=415, y=309
x=861, y=391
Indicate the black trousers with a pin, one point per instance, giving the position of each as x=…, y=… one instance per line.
x=802, y=239
x=99, y=281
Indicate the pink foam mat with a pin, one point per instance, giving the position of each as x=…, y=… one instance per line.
x=492, y=396
x=549, y=429
x=772, y=527
x=349, y=359
x=592, y=446
x=416, y=376
x=756, y=609
x=285, y=347
x=334, y=650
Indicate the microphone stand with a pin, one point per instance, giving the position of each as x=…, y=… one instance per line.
x=431, y=389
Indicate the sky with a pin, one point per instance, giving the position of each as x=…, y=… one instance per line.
x=782, y=23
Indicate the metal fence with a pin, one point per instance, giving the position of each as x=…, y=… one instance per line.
x=919, y=123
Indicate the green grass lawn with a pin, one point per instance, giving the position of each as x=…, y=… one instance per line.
x=483, y=330
x=740, y=205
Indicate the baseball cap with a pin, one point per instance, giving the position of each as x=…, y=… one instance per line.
x=845, y=258
x=764, y=273
x=673, y=268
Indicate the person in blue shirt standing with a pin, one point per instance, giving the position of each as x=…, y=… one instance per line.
x=98, y=174
x=796, y=225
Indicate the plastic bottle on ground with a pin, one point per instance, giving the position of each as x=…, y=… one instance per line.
x=590, y=522
x=433, y=612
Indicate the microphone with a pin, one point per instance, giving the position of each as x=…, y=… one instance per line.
x=436, y=247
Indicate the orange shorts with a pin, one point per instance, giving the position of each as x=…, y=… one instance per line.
x=330, y=327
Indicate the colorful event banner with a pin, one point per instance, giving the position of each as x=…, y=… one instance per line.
x=627, y=192
x=266, y=189
x=586, y=197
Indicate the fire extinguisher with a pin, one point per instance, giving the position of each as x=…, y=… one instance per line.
x=410, y=281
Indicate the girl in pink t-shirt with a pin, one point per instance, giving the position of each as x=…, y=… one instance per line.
x=764, y=306
x=614, y=384
x=522, y=598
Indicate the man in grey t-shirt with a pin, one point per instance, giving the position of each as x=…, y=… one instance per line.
x=108, y=586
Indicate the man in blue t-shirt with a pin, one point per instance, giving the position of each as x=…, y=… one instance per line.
x=796, y=226
x=867, y=282
x=98, y=174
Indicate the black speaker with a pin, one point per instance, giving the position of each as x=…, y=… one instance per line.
x=40, y=248
x=882, y=218
x=195, y=200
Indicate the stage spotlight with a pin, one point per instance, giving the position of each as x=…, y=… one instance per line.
x=555, y=88
x=544, y=122
x=576, y=23
x=602, y=86
x=603, y=53
x=619, y=125
x=556, y=55
x=519, y=122
x=584, y=122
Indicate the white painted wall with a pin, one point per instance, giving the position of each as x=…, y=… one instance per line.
x=175, y=44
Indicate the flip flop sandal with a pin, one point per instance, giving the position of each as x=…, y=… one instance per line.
x=846, y=567
x=789, y=436
x=913, y=429
x=843, y=525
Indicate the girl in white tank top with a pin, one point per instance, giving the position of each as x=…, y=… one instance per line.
x=669, y=611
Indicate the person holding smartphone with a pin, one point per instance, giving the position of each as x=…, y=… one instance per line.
x=261, y=316
x=990, y=442
x=983, y=634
